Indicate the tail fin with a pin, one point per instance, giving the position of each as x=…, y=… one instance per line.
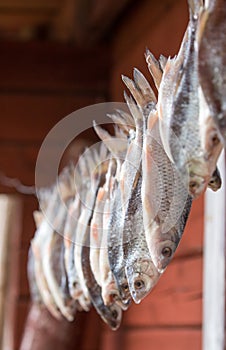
x=154, y=68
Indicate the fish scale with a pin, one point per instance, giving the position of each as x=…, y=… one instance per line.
x=141, y=273
x=164, y=202
x=212, y=61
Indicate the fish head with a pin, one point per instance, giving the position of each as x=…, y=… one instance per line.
x=110, y=295
x=162, y=247
x=209, y=133
x=142, y=275
x=198, y=176
x=112, y=315
x=215, y=181
x=123, y=286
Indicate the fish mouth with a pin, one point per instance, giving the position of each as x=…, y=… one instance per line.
x=198, y=176
x=112, y=297
x=115, y=317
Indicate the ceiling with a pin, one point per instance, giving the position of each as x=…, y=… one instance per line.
x=81, y=21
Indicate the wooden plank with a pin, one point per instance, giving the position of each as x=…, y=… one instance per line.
x=155, y=26
x=102, y=17
x=164, y=339
x=151, y=23
x=4, y=212
x=30, y=118
x=25, y=4
x=64, y=26
x=176, y=299
x=111, y=340
x=53, y=67
x=13, y=21
x=12, y=271
x=214, y=267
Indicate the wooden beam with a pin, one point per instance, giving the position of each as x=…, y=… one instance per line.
x=10, y=207
x=214, y=268
x=28, y=4
x=47, y=67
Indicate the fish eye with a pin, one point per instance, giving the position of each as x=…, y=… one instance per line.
x=167, y=252
x=114, y=314
x=125, y=287
x=74, y=284
x=215, y=140
x=192, y=184
x=139, y=284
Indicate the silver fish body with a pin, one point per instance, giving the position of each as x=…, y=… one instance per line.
x=110, y=314
x=141, y=272
x=179, y=110
x=165, y=200
x=212, y=61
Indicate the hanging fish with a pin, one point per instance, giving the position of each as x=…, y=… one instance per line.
x=37, y=245
x=111, y=314
x=166, y=202
x=212, y=63
x=53, y=249
x=141, y=273
x=94, y=162
x=179, y=111
x=207, y=127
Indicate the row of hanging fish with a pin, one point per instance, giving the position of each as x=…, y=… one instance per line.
x=110, y=225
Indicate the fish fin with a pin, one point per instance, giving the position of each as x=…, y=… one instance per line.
x=154, y=68
x=162, y=61
x=134, y=110
x=144, y=86
x=122, y=121
x=136, y=93
x=119, y=133
x=127, y=117
x=115, y=148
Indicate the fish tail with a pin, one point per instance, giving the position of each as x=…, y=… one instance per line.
x=108, y=140
x=162, y=61
x=135, y=92
x=101, y=133
x=135, y=111
x=128, y=119
x=139, y=88
x=154, y=68
x=143, y=85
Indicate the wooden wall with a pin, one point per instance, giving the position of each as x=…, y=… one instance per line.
x=41, y=84
x=171, y=316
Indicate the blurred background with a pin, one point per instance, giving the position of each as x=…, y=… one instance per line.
x=57, y=56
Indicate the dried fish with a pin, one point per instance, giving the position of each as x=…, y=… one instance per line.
x=110, y=314
x=81, y=236
x=141, y=273
x=179, y=111
x=212, y=62
x=166, y=202
x=110, y=226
